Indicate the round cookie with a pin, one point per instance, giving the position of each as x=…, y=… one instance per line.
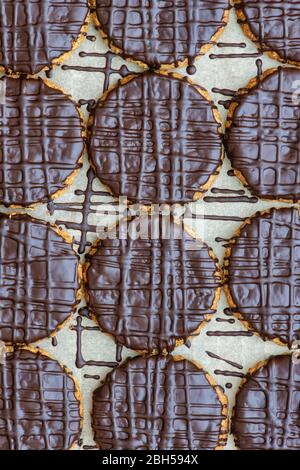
x=38, y=279
x=39, y=403
x=274, y=25
x=41, y=141
x=263, y=274
x=263, y=135
x=150, y=292
x=161, y=33
x=159, y=403
x=156, y=139
x=267, y=410
x=35, y=33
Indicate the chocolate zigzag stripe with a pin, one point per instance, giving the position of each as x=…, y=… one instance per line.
x=151, y=292
x=39, y=404
x=155, y=139
x=158, y=403
x=263, y=265
x=32, y=34
x=159, y=33
x=266, y=414
x=41, y=141
x=263, y=139
x=275, y=24
x=38, y=279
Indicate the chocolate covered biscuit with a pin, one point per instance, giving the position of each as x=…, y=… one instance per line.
x=38, y=279
x=156, y=139
x=159, y=403
x=39, y=403
x=152, y=292
x=263, y=274
x=161, y=33
x=263, y=139
x=33, y=34
x=41, y=141
x=267, y=409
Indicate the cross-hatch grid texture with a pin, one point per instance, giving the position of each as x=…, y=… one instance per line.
x=264, y=274
x=34, y=32
x=275, y=24
x=267, y=410
x=38, y=279
x=40, y=141
x=155, y=139
x=38, y=405
x=161, y=32
x=263, y=141
x=151, y=292
x=156, y=403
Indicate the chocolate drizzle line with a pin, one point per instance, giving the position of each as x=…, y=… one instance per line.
x=86, y=207
x=154, y=403
x=80, y=361
x=231, y=363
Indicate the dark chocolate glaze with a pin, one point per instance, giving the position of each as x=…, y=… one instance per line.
x=40, y=141
x=32, y=34
x=155, y=139
x=264, y=274
x=39, y=407
x=156, y=403
x=38, y=279
x=158, y=33
x=267, y=410
x=263, y=141
x=275, y=24
x=149, y=293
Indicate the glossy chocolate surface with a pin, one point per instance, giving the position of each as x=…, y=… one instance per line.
x=40, y=141
x=149, y=293
x=155, y=139
x=275, y=24
x=267, y=410
x=264, y=274
x=39, y=409
x=33, y=33
x=160, y=33
x=263, y=141
x=38, y=279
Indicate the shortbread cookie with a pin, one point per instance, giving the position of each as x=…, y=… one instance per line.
x=161, y=33
x=39, y=403
x=267, y=410
x=35, y=33
x=263, y=271
x=38, y=279
x=156, y=139
x=41, y=141
x=159, y=403
x=148, y=292
x=263, y=139
x=274, y=25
